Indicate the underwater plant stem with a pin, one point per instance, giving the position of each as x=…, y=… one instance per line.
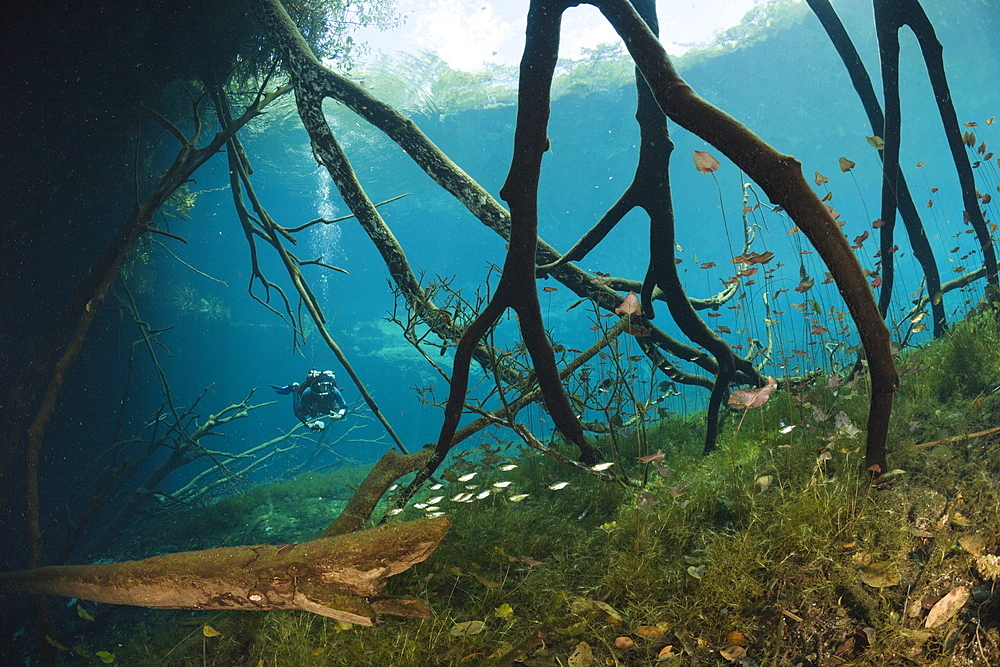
x=738, y=426
x=955, y=438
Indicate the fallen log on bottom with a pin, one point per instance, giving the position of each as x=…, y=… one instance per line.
x=341, y=577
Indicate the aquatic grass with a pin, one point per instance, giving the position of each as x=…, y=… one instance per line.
x=776, y=560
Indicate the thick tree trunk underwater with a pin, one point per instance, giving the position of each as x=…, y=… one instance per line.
x=341, y=577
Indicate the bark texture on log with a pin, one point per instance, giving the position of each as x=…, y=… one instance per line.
x=341, y=577
x=389, y=469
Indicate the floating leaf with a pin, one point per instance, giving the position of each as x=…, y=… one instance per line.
x=612, y=614
x=83, y=613
x=646, y=501
x=209, y=631
x=54, y=643
x=486, y=582
x=704, y=162
x=467, y=628
x=959, y=519
x=662, y=469
x=630, y=306
x=945, y=608
x=754, y=258
x=743, y=398
x=658, y=456
x=105, y=656
x=846, y=165
x=821, y=179
x=696, y=572
x=666, y=653
x=876, y=142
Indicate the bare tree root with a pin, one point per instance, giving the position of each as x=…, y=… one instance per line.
x=781, y=178
x=890, y=16
x=264, y=226
x=516, y=290
x=341, y=577
x=900, y=196
x=184, y=448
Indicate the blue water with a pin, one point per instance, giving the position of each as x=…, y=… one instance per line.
x=790, y=89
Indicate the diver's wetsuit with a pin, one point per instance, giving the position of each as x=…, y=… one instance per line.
x=317, y=397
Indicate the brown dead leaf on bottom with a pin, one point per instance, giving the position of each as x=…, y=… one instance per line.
x=582, y=656
x=946, y=608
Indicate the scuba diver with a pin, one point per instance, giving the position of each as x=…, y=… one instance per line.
x=316, y=397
